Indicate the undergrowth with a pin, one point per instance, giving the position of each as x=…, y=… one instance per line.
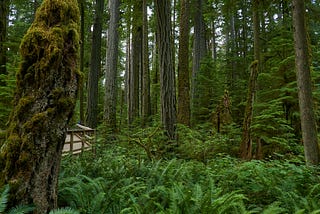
x=133, y=175
x=123, y=177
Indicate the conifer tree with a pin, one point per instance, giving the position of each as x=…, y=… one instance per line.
x=111, y=66
x=95, y=67
x=308, y=123
x=167, y=77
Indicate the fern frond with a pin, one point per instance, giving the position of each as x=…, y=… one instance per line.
x=4, y=198
x=66, y=210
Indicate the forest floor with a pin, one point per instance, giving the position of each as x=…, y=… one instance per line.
x=121, y=178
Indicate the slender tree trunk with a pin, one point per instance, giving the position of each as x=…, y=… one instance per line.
x=95, y=67
x=128, y=61
x=155, y=91
x=199, y=51
x=82, y=42
x=167, y=77
x=308, y=123
x=44, y=102
x=246, y=141
x=110, y=112
x=136, y=56
x=146, y=100
x=183, y=66
x=213, y=41
x=4, y=4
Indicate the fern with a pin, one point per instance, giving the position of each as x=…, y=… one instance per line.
x=4, y=198
x=19, y=209
x=66, y=210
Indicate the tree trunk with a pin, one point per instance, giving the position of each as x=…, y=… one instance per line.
x=199, y=51
x=82, y=42
x=110, y=108
x=4, y=6
x=95, y=67
x=44, y=102
x=167, y=77
x=308, y=123
x=246, y=141
x=183, y=66
x=155, y=78
x=136, y=56
x=145, y=98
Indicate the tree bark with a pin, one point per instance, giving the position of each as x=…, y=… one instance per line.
x=145, y=98
x=95, y=67
x=167, y=77
x=110, y=108
x=82, y=42
x=136, y=56
x=4, y=9
x=246, y=141
x=44, y=102
x=183, y=66
x=308, y=123
x=199, y=52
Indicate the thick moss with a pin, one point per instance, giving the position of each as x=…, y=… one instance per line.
x=44, y=101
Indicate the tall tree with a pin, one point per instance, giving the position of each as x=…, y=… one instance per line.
x=111, y=66
x=183, y=66
x=166, y=67
x=145, y=97
x=136, y=55
x=246, y=141
x=95, y=67
x=199, y=52
x=44, y=102
x=4, y=9
x=308, y=123
x=82, y=45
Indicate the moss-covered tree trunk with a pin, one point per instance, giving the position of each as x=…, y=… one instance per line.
x=246, y=140
x=44, y=102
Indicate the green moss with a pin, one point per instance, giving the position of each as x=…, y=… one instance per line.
x=23, y=104
x=36, y=121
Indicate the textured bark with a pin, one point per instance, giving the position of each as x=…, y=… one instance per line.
x=4, y=4
x=82, y=42
x=110, y=112
x=308, y=123
x=136, y=55
x=167, y=77
x=44, y=102
x=199, y=51
x=145, y=97
x=246, y=141
x=183, y=66
x=95, y=67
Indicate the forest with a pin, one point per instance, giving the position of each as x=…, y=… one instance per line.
x=198, y=106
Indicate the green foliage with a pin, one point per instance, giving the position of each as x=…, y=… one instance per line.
x=19, y=209
x=119, y=179
x=4, y=198
x=6, y=97
x=207, y=92
x=64, y=211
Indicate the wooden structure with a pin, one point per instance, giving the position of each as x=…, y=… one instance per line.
x=78, y=140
